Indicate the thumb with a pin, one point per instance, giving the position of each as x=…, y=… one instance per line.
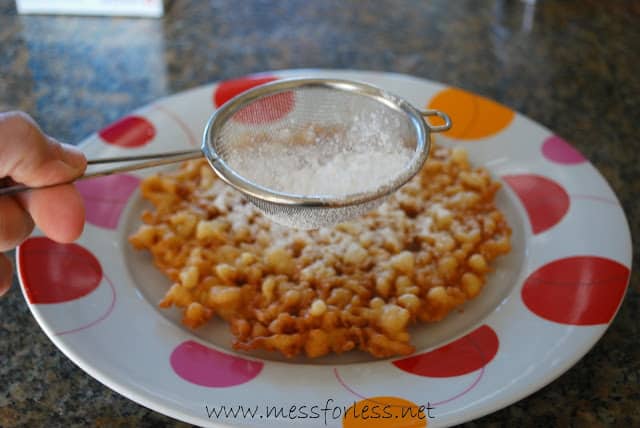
x=30, y=157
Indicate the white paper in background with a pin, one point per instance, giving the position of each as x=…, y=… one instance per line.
x=149, y=8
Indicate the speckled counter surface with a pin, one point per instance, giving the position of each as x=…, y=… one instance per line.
x=571, y=65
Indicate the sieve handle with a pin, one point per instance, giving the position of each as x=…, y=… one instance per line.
x=8, y=187
x=437, y=128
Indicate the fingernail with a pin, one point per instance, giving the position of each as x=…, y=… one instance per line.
x=73, y=157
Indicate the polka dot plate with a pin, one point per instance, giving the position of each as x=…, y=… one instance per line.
x=544, y=307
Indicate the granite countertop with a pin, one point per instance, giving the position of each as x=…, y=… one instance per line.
x=568, y=65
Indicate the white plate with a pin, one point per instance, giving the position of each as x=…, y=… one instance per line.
x=545, y=306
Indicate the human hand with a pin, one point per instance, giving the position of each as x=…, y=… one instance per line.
x=30, y=157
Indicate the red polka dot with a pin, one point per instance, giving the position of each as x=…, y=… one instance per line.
x=204, y=366
x=559, y=151
x=230, y=88
x=106, y=197
x=56, y=273
x=545, y=201
x=580, y=290
x=465, y=355
x=268, y=109
x=130, y=131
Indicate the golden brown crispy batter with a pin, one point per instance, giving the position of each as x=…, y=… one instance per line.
x=358, y=285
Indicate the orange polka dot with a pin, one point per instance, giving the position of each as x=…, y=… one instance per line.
x=386, y=412
x=472, y=116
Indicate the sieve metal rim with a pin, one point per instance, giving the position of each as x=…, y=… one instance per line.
x=237, y=181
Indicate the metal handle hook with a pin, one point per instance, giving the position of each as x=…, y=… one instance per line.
x=441, y=115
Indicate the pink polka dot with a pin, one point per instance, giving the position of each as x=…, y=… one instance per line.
x=56, y=273
x=130, y=131
x=558, y=150
x=545, y=201
x=106, y=197
x=204, y=366
x=268, y=109
x=580, y=290
x=465, y=355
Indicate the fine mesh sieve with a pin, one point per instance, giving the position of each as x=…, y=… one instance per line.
x=292, y=106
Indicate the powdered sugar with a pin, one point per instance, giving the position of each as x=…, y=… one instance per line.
x=333, y=161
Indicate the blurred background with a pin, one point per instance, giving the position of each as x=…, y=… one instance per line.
x=569, y=65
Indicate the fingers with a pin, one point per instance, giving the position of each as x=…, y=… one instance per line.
x=30, y=157
x=57, y=211
x=6, y=270
x=15, y=223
